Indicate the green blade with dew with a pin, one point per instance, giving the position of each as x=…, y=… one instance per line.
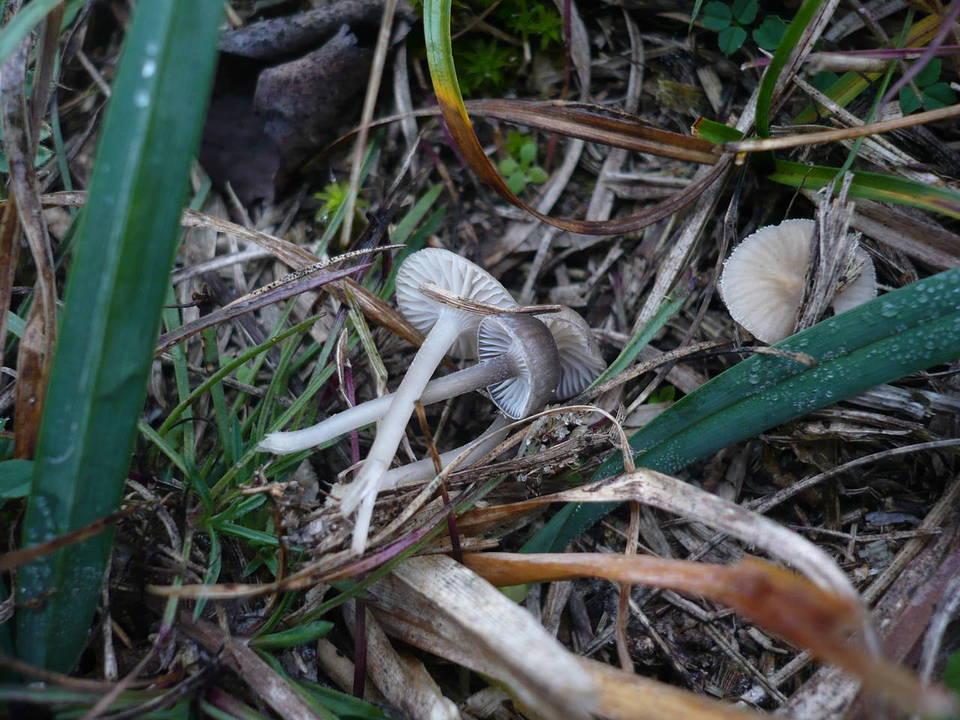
x=124, y=250
x=867, y=185
x=899, y=333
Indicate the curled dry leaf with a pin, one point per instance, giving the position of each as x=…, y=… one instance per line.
x=442, y=607
x=402, y=679
x=441, y=597
x=784, y=603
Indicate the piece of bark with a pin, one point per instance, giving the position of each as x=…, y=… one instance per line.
x=288, y=36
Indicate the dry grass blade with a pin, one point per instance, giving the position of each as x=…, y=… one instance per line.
x=453, y=602
x=798, y=611
x=36, y=353
x=673, y=495
x=826, y=136
x=16, y=558
x=454, y=112
x=267, y=295
x=445, y=297
x=598, y=124
x=626, y=696
x=402, y=679
x=239, y=657
x=422, y=603
x=287, y=252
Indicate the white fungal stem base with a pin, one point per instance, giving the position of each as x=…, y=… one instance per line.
x=463, y=381
x=363, y=491
x=423, y=470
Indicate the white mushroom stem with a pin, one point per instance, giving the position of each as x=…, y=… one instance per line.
x=363, y=491
x=477, y=376
x=423, y=470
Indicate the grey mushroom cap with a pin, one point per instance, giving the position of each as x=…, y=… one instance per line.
x=535, y=362
x=580, y=359
x=763, y=280
x=455, y=274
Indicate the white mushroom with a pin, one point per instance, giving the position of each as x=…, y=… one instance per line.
x=763, y=280
x=519, y=364
x=580, y=360
x=445, y=326
x=580, y=364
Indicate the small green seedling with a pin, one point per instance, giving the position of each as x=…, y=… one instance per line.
x=933, y=93
x=731, y=22
x=43, y=153
x=534, y=20
x=484, y=64
x=333, y=196
x=520, y=166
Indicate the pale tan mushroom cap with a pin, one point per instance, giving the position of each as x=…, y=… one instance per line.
x=455, y=274
x=762, y=280
x=580, y=359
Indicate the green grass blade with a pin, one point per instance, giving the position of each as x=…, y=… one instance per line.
x=124, y=249
x=300, y=635
x=899, y=333
x=21, y=25
x=871, y=186
x=639, y=341
x=791, y=37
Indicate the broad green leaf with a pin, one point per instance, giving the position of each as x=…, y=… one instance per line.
x=909, y=102
x=731, y=39
x=15, y=478
x=938, y=95
x=537, y=174
x=745, y=11
x=930, y=73
x=716, y=16
x=517, y=181
x=899, y=333
x=823, y=81
x=123, y=252
x=528, y=152
x=770, y=32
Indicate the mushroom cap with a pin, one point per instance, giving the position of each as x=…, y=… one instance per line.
x=533, y=358
x=455, y=274
x=580, y=360
x=763, y=279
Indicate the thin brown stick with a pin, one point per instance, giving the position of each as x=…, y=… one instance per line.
x=843, y=133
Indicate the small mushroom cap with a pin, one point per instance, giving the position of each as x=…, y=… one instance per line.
x=456, y=275
x=580, y=360
x=762, y=280
x=534, y=360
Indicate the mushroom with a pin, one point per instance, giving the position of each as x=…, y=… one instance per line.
x=447, y=326
x=520, y=367
x=580, y=360
x=580, y=364
x=519, y=364
x=763, y=280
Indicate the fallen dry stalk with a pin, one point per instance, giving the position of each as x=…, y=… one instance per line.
x=442, y=607
x=843, y=133
x=780, y=601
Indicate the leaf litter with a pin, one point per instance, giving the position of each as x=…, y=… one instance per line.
x=291, y=79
